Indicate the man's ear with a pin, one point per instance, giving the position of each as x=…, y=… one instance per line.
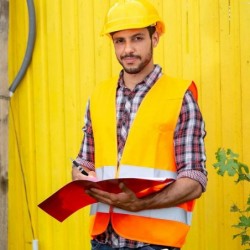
x=155, y=39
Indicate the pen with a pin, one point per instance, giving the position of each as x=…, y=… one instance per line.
x=79, y=167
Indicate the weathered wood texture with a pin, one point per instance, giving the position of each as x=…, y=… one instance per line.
x=4, y=102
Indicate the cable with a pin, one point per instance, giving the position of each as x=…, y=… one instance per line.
x=22, y=172
x=29, y=49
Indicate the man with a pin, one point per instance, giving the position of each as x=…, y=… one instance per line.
x=142, y=124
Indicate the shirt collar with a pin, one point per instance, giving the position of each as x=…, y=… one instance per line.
x=149, y=80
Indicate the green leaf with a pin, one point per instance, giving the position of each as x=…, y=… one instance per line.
x=244, y=221
x=245, y=239
x=232, y=154
x=248, y=200
x=220, y=155
x=227, y=162
x=231, y=167
x=245, y=167
x=236, y=235
x=234, y=208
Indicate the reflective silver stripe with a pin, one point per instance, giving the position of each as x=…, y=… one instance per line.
x=126, y=171
x=173, y=213
x=129, y=171
x=99, y=207
x=106, y=172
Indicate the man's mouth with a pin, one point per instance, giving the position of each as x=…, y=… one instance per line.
x=130, y=59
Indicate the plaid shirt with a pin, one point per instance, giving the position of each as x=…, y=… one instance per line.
x=188, y=140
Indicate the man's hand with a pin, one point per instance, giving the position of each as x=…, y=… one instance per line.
x=125, y=200
x=180, y=191
x=77, y=175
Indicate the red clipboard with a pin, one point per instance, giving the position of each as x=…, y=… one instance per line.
x=72, y=196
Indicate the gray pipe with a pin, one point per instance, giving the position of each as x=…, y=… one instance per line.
x=29, y=49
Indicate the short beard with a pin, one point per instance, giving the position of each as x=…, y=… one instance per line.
x=141, y=66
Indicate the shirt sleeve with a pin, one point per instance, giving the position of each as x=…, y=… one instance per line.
x=189, y=142
x=86, y=154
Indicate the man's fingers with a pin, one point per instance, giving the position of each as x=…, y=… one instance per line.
x=124, y=188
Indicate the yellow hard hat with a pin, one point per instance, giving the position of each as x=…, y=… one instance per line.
x=132, y=14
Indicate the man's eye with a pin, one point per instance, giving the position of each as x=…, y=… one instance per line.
x=138, y=38
x=117, y=41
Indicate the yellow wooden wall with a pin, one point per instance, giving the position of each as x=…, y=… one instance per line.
x=207, y=41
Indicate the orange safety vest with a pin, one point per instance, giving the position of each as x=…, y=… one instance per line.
x=148, y=153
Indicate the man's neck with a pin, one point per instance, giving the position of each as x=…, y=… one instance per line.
x=131, y=80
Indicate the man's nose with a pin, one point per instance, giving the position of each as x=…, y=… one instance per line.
x=128, y=48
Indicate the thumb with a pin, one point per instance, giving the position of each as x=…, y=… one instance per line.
x=124, y=188
x=92, y=176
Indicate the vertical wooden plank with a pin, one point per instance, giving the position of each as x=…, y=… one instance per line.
x=71, y=74
x=230, y=107
x=41, y=121
x=56, y=88
x=172, y=38
x=191, y=41
x=72, y=103
x=87, y=53
x=230, y=74
x=56, y=91
x=245, y=75
x=210, y=91
x=244, y=22
x=103, y=44
x=14, y=215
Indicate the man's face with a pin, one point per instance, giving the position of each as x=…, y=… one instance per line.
x=134, y=49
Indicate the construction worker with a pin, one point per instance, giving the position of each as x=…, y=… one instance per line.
x=142, y=124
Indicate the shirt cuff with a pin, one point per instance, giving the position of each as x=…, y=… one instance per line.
x=87, y=164
x=195, y=175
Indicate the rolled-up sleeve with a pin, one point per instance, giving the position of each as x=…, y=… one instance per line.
x=189, y=143
x=86, y=153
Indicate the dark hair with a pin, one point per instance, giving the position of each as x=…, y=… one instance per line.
x=151, y=29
